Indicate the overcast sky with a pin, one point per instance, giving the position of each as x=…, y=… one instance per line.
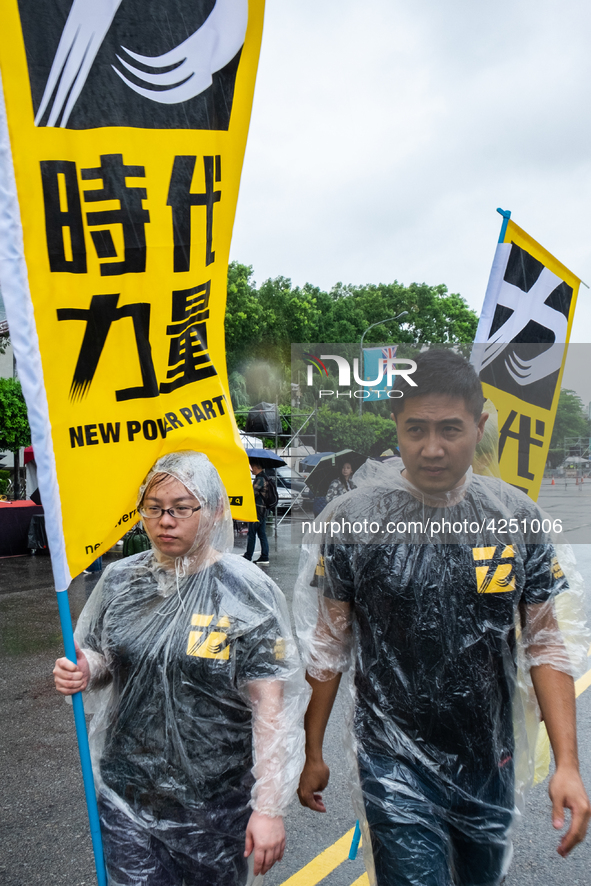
x=385, y=134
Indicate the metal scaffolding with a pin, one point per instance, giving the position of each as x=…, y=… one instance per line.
x=306, y=424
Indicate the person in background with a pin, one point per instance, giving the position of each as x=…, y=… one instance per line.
x=342, y=484
x=259, y=485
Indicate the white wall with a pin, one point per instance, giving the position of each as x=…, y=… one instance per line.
x=6, y=363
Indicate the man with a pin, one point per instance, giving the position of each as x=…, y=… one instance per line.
x=259, y=485
x=430, y=599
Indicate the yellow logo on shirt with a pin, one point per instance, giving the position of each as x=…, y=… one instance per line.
x=215, y=644
x=557, y=568
x=279, y=649
x=494, y=574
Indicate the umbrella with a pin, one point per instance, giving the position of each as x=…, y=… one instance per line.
x=387, y=455
x=265, y=458
x=329, y=468
x=309, y=462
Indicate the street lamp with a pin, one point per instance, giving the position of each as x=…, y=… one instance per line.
x=361, y=367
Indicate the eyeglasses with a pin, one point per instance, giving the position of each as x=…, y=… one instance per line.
x=153, y=513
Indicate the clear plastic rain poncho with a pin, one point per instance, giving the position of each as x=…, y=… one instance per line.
x=441, y=636
x=197, y=693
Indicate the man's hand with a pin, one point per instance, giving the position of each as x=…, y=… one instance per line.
x=567, y=792
x=555, y=691
x=316, y=773
x=267, y=837
x=313, y=779
x=70, y=678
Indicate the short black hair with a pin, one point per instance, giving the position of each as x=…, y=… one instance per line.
x=445, y=372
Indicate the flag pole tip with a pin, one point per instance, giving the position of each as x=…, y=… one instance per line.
x=506, y=213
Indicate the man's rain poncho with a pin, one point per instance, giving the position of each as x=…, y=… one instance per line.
x=196, y=687
x=441, y=624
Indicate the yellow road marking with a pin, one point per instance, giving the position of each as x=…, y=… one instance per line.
x=363, y=880
x=321, y=866
x=583, y=683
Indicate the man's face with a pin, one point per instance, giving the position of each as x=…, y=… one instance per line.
x=437, y=437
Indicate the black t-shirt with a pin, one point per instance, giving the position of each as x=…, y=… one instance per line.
x=436, y=638
x=179, y=725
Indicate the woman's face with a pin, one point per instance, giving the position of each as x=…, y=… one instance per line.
x=346, y=470
x=172, y=536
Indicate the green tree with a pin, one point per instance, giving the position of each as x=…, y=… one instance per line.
x=237, y=390
x=571, y=421
x=433, y=315
x=274, y=297
x=245, y=322
x=14, y=424
x=262, y=323
x=303, y=314
x=265, y=321
x=368, y=434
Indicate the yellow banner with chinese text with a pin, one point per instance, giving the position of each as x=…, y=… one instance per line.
x=127, y=132
x=520, y=351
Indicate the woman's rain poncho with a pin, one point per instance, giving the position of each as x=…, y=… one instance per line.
x=196, y=688
x=441, y=637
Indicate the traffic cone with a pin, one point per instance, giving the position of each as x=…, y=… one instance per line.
x=553, y=483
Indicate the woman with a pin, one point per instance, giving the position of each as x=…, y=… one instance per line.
x=342, y=484
x=197, y=694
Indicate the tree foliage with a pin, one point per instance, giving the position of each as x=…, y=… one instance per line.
x=263, y=322
x=14, y=424
x=571, y=421
x=368, y=434
x=244, y=318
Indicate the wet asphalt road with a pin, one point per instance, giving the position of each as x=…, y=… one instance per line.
x=43, y=823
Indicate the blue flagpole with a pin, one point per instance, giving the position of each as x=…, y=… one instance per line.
x=83, y=747
x=355, y=842
x=506, y=213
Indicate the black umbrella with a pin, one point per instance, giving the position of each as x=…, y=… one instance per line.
x=309, y=462
x=329, y=468
x=265, y=458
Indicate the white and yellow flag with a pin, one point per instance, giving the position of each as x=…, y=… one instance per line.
x=122, y=135
x=520, y=350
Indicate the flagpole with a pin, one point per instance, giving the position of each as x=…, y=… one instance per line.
x=83, y=747
x=488, y=306
x=23, y=333
x=355, y=842
x=506, y=213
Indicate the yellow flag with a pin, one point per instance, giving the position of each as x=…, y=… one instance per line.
x=121, y=146
x=520, y=351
